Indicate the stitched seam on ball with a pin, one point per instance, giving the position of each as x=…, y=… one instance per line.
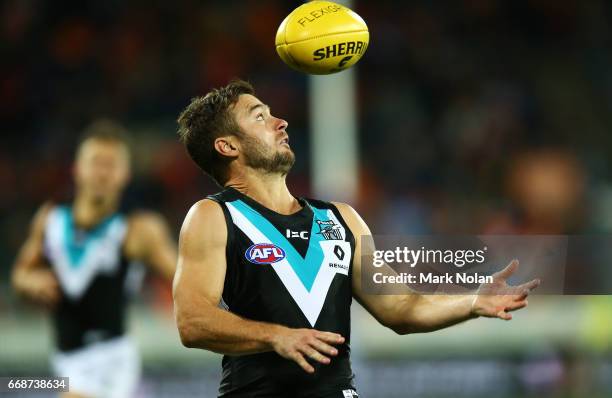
x=295, y=63
x=285, y=30
x=325, y=35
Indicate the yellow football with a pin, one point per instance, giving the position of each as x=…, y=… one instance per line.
x=322, y=37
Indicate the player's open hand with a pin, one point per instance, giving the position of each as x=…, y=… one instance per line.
x=498, y=299
x=299, y=344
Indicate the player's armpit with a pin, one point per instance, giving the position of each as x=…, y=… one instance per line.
x=149, y=240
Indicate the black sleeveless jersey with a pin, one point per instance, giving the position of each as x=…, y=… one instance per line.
x=93, y=276
x=293, y=270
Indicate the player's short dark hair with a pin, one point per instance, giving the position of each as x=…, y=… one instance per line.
x=207, y=118
x=106, y=130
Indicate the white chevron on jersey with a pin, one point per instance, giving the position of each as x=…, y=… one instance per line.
x=310, y=302
x=102, y=255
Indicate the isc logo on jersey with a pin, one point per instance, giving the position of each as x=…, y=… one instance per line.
x=264, y=253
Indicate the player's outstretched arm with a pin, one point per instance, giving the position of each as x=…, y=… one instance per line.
x=411, y=312
x=198, y=286
x=149, y=240
x=31, y=278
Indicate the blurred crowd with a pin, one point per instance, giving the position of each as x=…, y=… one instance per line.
x=487, y=116
x=477, y=115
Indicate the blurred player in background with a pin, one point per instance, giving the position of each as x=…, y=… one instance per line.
x=77, y=261
x=285, y=269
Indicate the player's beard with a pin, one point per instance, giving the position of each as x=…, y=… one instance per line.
x=261, y=157
x=101, y=199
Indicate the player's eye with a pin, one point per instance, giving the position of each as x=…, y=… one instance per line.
x=260, y=116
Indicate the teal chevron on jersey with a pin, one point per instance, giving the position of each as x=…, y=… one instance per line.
x=76, y=248
x=305, y=268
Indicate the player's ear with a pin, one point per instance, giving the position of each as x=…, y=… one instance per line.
x=226, y=146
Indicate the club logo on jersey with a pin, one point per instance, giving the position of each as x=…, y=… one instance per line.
x=264, y=253
x=329, y=229
x=350, y=393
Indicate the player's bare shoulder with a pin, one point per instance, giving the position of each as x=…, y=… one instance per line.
x=343, y=207
x=204, y=221
x=352, y=218
x=142, y=220
x=34, y=241
x=41, y=216
x=144, y=227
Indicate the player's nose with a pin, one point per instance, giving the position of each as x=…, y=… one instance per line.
x=281, y=124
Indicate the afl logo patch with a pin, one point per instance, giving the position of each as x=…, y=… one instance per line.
x=264, y=253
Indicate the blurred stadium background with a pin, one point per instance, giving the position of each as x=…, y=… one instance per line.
x=473, y=116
